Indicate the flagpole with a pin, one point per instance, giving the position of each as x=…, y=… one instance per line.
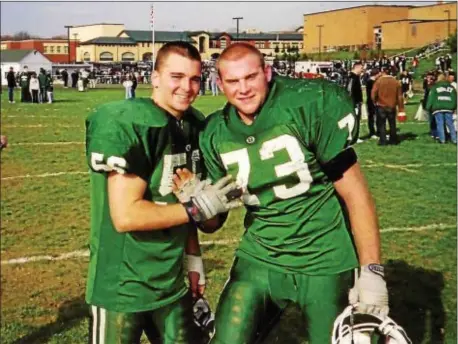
x=153, y=57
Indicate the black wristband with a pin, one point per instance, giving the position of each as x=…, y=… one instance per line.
x=192, y=211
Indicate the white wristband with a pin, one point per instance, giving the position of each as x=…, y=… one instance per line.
x=196, y=264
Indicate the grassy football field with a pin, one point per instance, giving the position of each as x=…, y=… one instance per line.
x=45, y=220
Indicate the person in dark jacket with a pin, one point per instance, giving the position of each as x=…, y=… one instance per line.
x=375, y=73
x=11, y=79
x=354, y=89
x=134, y=85
x=24, y=81
x=42, y=81
x=65, y=77
x=74, y=76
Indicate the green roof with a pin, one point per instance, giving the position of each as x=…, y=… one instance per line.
x=14, y=55
x=260, y=36
x=159, y=36
x=111, y=40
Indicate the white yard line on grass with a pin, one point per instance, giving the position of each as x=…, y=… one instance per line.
x=44, y=175
x=47, y=143
x=41, y=126
x=85, y=253
x=406, y=167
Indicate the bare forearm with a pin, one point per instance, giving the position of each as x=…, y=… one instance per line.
x=192, y=245
x=144, y=215
x=363, y=218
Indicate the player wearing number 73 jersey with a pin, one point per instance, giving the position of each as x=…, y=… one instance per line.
x=287, y=144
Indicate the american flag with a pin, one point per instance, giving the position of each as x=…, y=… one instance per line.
x=151, y=17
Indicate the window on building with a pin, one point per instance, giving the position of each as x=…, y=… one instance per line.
x=106, y=56
x=201, y=44
x=66, y=50
x=414, y=30
x=86, y=57
x=223, y=43
x=45, y=49
x=51, y=49
x=58, y=49
x=128, y=57
x=213, y=44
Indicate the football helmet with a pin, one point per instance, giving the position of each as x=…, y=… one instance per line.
x=352, y=327
x=203, y=316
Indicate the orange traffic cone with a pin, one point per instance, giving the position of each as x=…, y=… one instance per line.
x=402, y=117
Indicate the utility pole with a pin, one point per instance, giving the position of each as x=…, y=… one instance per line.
x=68, y=40
x=448, y=22
x=237, y=19
x=75, y=35
x=319, y=40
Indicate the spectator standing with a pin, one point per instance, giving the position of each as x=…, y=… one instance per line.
x=213, y=78
x=406, y=83
x=415, y=63
x=11, y=80
x=128, y=86
x=203, y=81
x=34, y=88
x=74, y=76
x=134, y=86
x=24, y=81
x=92, y=79
x=448, y=61
x=42, y=80
x=428, y=82
x=49, y=88
x=354, y=89
x=442, y=104
x=386, y=95
x=371, y=117
x=64, y=74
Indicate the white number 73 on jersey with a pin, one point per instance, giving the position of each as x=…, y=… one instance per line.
x=296, y=165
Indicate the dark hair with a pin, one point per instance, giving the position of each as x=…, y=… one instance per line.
x=238, y=50
x=181, y=48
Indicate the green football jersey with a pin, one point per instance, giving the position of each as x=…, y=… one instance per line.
x=294, y=221
x=138, y=270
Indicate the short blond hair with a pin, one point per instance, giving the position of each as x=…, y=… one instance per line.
x=236, y=51
x=441, y=77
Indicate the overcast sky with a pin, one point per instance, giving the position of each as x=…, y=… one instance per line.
x=48, y=19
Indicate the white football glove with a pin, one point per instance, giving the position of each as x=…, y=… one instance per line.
x=207, y=200
x=190, y=188
x=370, y=295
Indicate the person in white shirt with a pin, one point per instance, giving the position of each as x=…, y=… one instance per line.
x=34, y=88
x=128, y=86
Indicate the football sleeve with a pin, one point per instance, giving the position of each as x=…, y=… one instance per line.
x=334, y=126
x=112, y=145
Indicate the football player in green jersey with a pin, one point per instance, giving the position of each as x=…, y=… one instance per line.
x=139, y=230
x=286, y=141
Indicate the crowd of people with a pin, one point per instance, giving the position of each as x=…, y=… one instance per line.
x=34, y=88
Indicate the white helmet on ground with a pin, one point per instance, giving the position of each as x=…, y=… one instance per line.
x=351, y=327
